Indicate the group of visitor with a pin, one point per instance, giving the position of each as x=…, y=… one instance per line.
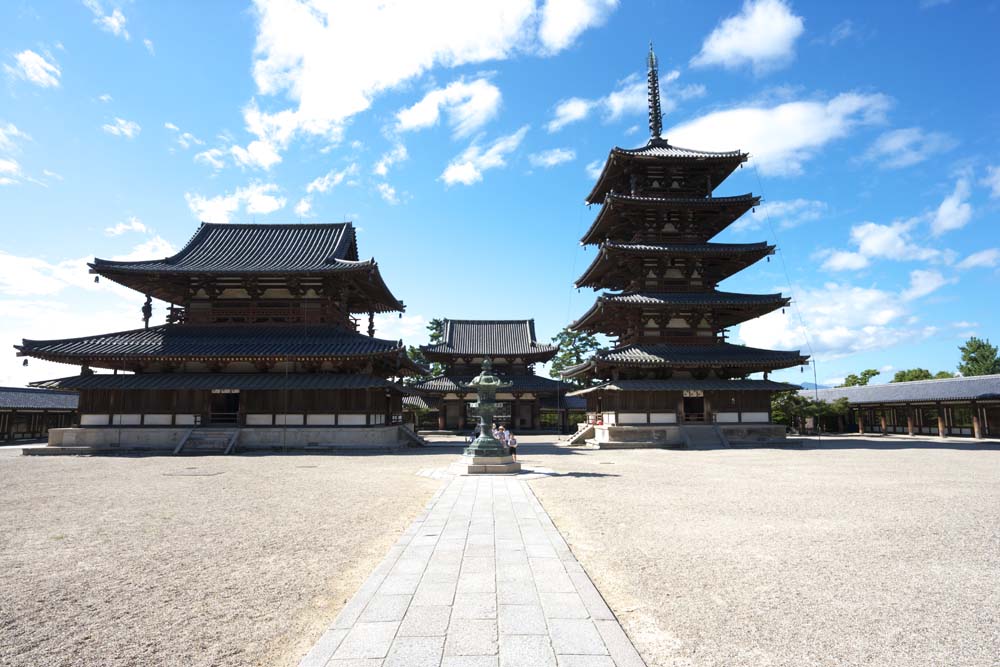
x=501, y=433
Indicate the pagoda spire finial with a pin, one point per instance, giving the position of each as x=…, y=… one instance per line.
x=653, y=82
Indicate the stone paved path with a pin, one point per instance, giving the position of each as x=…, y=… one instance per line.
x=481, y=579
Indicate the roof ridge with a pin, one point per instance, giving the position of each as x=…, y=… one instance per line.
x=912, y=382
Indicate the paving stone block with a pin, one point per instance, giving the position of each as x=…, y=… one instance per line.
x=514, y=571
x=619, y=645
x=367, y=640
x=517, y=592
x=522, y=619
x=478, y=582
x=321, y=652
x=554, y=582
x=563, y=605
x=576, y=636
x=585, y=661
x=478, y=564
x=479, y=550
x=592, y=599
x=431, y=593
x=469, y=661
x=526, y=651
x=471, y=637
x=415, y=652
x=426, y=621
x=385, y=608
x=409, y=565
x=540, y=550
x=475, y=605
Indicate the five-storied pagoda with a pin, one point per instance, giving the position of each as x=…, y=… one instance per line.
x=672, y=379
x=261, y=347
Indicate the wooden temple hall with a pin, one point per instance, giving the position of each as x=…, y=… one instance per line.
x=267, y=326
x=531, y=403
x=672, y=378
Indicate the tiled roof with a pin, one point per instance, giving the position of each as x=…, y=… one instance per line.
x=694, y=299
x=252, y=248
x=662, y=148
x=458, y=383
x=718, y=354
x=242, y=381
x=490, y=338
x=981, y=387
x=713, y=214
x=714, y=249
x=214, y=341
x=20, y=398
x=418, y=403
x=689, y=384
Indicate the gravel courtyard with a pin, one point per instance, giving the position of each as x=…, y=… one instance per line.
x=853, y=552
x=221, y=561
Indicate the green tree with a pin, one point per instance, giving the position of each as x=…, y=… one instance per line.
x=979, y=357
x=575, y=347
x=436, y=329
x=853, y=380
x=911, y=375
x=943, y=375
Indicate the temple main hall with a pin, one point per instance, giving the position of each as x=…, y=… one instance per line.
x=268, y=326
x=672, y=378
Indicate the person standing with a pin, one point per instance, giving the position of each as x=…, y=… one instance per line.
x=512, y=443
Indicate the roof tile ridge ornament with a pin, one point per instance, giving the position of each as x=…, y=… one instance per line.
x=653, y=92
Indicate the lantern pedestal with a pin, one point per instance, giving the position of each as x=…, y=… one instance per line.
x=485, y=465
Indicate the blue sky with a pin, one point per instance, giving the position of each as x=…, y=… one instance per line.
x=462, y=138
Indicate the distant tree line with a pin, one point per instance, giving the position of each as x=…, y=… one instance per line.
x=978, y=358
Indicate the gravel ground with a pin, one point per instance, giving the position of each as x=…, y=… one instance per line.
x=164, y=561
x=853, y=552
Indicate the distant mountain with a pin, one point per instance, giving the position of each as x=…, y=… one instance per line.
x=810, y=385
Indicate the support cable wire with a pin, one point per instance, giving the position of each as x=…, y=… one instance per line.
x=788, y=280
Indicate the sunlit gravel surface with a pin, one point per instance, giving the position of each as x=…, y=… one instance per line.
x=853, y=552
x=226, y=561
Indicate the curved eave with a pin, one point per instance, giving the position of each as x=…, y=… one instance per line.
x=750, y=253
x=750, y=365
x=607, y=305
x=540, y=356
x=613, y=203
x=731, y=159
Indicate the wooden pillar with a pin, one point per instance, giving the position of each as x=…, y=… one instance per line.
x=536, y=414
x=909, y=420
x=442, y=411
x=940, y=416
x=977, y=427
x=861, y=421
x=882, y=423
x=515, y=412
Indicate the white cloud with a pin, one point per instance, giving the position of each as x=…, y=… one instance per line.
x=9, y=137
x=331, y=179
x=256, y=197
x=992, y=181
x=9, y=167
x=841, y=31
x=762, y=35
x=212, y=157
x=388, y=193
x=122, y=128
x=133, y=224
x=783, y=137
x=148, y=43
x=184, y=139
x=629, y=97
x=51, y=174
x=411, y=328
x=303, y=209
x=841, y=319
x=954, y=212
x=564, y=20
x=923, y=283
x=396, y=155
x=907, y=146
x=552, y=157
x=875, y=241
x=784, y=214
x=569, y=111
x=32, y=67
x=595, y=168
x=113, y=22
x=983, y=258
x=105, y=98
x=468, y=167
x=302, y=46
x=469, y=106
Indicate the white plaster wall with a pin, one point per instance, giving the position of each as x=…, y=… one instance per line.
x=321, y=420
x=127, y=420
x=93, y=420
x=663, y=417
x=289, y=420
x=631, y=417
x=608, y=418
x=258, y=420
x=352, y=420
x=727, y=417
x=156, y=420
x=184, y=420
x=755, y=417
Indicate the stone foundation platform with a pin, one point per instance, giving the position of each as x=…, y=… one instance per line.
x=685, y=436
x=485, y=465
